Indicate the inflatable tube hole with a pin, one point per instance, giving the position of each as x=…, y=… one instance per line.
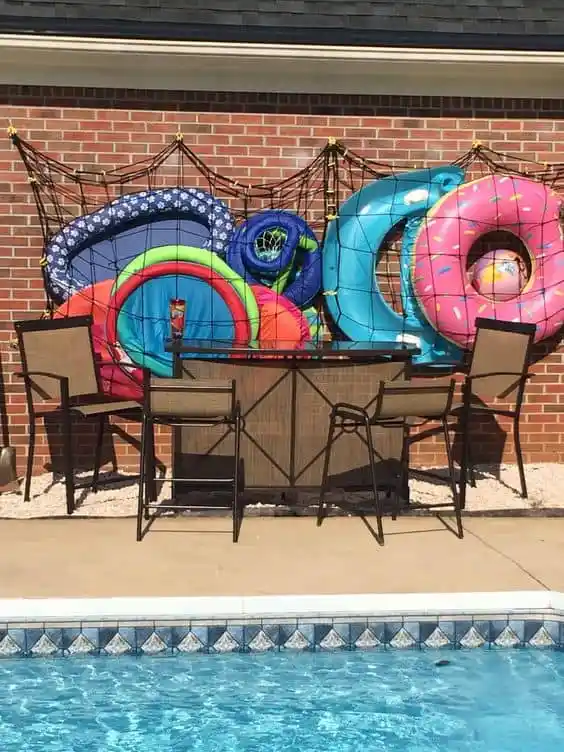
x=269, y=244
x=449, y=183
x=499, y=265
x=387, y=268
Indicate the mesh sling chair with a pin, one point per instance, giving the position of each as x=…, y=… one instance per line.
x=59, y=366
x=498, y=370
x=178, y=402
x=396, y=403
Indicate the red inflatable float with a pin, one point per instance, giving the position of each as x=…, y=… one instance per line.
x=118, y=377
x=241, y=323
x=282, y=325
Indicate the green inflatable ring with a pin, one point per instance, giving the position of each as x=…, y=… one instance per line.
x=196, y=256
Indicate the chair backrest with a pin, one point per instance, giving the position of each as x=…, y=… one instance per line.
x=62, y=347
x=186, y=399
x=500, y=359
x=411, y=399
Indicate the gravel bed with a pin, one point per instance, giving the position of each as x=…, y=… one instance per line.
x=495, y=491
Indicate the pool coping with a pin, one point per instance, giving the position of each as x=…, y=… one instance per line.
x=52, y=627
x=287, y=606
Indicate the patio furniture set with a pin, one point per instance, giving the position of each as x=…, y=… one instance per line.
x=284, y=417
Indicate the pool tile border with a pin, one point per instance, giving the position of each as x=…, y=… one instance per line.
x=164, y=627
x=434, y=632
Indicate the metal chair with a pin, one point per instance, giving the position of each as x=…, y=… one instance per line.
x=498, y=370
x=59, y=365
x=179, y=402
x=396, y=402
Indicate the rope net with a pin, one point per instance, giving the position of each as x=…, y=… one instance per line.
x=347, y=250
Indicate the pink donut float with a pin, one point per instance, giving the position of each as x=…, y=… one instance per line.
x=441, y=282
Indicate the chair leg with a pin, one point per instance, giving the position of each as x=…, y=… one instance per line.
x=30, y=456
x=463, y=476
x=470, y=465
x=377, y=504
x=148, y=452
x=455, y=497
x=324, y=478
x=68, y=463
x=519, y=454
x=152, y=461
x=403, y=483
x=141, y=499
x=236, y=508
x=102, y=421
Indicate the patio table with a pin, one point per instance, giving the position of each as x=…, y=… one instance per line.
x=286, y=396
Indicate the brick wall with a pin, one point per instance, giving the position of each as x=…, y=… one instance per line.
x=258, y=137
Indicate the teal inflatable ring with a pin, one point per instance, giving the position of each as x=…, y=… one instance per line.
x=200, y=256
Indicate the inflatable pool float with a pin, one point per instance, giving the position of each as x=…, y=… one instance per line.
x=350, y=254
x=94, y=301
x=214, y=312
x=278, y=249
x=282, y=324
x=120, y=378
x=499, y=275
x=98, y=246
x=318, y=329
x=527, y=209
x=220, y=305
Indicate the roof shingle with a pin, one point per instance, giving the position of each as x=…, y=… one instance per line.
x=479, y=24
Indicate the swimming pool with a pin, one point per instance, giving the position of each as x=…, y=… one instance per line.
x=250, y=674
x=484, y=701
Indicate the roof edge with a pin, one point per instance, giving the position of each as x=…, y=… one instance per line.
x=336, y=37
x=256, y=51
x=109, y=63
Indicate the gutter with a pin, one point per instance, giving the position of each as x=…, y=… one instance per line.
x=275, y=51
x=97, y=62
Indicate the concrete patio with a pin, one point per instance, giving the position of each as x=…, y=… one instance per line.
x=183, y=557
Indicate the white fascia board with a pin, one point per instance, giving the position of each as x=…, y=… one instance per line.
x=142, y=64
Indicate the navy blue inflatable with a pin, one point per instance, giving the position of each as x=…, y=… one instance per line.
x=98, y=246
x=292, y=266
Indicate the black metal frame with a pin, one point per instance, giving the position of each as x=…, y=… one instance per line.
x=147, y=499
x=469, y=409
x=347, y=416
x=65, y=409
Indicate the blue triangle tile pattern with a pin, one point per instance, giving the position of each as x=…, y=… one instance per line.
x=12, y=645
x=261, y=637
x=258, y=636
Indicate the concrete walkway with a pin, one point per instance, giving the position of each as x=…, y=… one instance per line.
x=180, y=557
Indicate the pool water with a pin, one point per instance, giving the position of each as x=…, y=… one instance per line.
x=490, y=701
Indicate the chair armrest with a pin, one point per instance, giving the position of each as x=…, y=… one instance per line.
x=518, y=376
x=63, y=381
x=520, y=382
x=46, y=374
x=349, y=407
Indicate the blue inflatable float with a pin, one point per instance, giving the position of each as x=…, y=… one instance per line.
x=98, y=246
x=278, y=249
x=351, y=251
x=143, y=321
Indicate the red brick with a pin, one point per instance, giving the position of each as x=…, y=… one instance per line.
x=252, y=142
